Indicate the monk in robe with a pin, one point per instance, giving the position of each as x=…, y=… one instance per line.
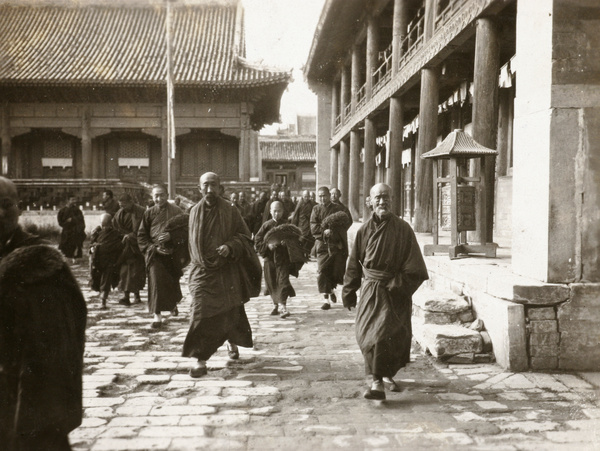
x=336, y=198
x=132, y=271
x=164, y=270
x=219, y=241
x=42, y=338
x=256, y=215
x=301, y=219
x=329, y=226
x=278, y=242
x=105, y=251
x=71, y=219
x=387, y=255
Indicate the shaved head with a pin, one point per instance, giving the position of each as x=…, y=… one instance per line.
x=380, y=198
x=105, y=219
x=210, y=187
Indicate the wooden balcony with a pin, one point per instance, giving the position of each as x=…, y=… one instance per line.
x=383, y=73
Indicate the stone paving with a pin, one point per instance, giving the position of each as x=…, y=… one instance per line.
x=301, y=388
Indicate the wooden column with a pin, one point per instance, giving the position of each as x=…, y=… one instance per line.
x=354, y=78
x=430, y=15
x=485, y=118
x=369, y=164
x=164, y=148
x=6, y=141
x=394, y=172
x=343, y=167
x=428, y=118
x=372, y=53
x=333, y=172
x=399, y=25
x=344, y=92
x=353, y=181
x=87, y=162
x=335, y=104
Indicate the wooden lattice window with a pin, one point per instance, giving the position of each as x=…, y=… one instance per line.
x=133, y=148
x=58, y=148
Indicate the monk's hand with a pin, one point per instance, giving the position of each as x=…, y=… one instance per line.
x=326, y=233
x=223, y=250
x=272, y=246
x=163, y=237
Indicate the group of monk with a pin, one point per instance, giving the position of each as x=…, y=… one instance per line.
x=42, y=328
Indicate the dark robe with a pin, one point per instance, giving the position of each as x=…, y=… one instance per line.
x=331, y=251
x=301, y=219
x=111, y=206
x=132, y=273
x=258, y=208
x=387, y=254
x=276, y=264
x=246, y=211
x=70, y=218
x=163, y=271
x=216, y=284
x=105, y=250
x=42, y=336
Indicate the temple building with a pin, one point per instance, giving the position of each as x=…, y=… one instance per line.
x=289, y=160
x=395, y=77
x=84, y=96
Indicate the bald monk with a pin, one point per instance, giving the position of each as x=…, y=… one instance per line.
x=387, y=255
x=219, y=242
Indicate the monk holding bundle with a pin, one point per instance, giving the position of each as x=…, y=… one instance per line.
x=387, y=254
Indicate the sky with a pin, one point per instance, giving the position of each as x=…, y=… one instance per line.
x=280, y=33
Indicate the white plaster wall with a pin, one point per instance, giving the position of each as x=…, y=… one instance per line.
x=531, y=168
x=323, y=134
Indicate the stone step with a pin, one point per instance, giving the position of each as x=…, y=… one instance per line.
x=445, y=341
x=436, y=307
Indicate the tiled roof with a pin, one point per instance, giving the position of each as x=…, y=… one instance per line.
x=126, y=45
x=287, y=149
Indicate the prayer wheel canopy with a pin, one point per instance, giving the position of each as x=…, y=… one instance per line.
x=459, y=144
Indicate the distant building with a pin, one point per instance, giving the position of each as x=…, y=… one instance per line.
x=84, y=96
x=289, y=160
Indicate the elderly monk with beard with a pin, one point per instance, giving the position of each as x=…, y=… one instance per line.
x=387, y=255
x=219, y=243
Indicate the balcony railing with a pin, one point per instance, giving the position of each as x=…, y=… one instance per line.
x=338, y=122
x=347, y=112
x=361, y=97
x=413, y=39
x=384, y=72
x=447, y=9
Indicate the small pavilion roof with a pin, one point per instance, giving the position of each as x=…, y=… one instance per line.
x=458, y=144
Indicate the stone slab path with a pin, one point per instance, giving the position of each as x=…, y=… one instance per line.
x=301, y=387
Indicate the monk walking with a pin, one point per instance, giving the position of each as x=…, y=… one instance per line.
x=220, y=245
x=164, y=270
x=387, y=254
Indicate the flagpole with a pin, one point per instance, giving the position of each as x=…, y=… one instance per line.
x=170, y=112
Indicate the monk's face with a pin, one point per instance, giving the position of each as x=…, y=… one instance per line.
x=210, y=187
x=335, y=195
x=277, y=211
x=126, y=205
x=306, y=196
x=233, y=198
x=380, y=200
x=159, y=196
x=9, y=211
x=324, y=197
x=242, y=196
